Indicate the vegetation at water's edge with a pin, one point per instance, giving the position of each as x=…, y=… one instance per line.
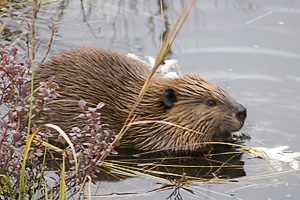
x=21, y=169
x=23, y=145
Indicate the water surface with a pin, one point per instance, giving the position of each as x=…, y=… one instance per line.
x=250, y=48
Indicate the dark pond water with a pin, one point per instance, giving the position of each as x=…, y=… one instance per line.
x=250, y=48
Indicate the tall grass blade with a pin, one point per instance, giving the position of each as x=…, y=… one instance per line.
x=62, y=188
x=82, y=186
x=46, y=191
x=43, y=168
x=67, y=139
x=22, y=185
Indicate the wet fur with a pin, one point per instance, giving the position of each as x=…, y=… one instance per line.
x=98, y=75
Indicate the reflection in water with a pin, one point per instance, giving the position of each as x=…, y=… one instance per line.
x=173, y=175
x=204, y=168
x=136, y=26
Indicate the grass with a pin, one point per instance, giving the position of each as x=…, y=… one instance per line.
x=22, y=175
x=62, y=188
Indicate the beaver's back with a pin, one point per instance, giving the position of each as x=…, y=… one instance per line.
x=94, y=75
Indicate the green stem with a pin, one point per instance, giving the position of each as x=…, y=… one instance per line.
x=22, y=185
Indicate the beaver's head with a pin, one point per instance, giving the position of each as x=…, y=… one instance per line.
x=186, y=113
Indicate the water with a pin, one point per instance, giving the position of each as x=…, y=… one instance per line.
x=250, y=48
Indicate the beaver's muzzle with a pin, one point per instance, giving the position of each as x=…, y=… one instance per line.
x=242, y=113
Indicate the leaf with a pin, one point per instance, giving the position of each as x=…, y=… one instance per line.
x=3, y=124
x=81, y=104
x=27, y=61
x=51, y=79
x=17, y=137
x=50, y=26
x=13, y=51
x=12, y=116
x=100, y=105
x=55, y=30
x=75, y=129
x=92, y=109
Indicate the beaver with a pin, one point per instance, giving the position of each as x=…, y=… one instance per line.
x=194, y=111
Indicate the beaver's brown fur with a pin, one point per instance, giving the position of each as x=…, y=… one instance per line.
x=206, y=111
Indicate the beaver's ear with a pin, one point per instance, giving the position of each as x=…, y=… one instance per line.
x=169, y=97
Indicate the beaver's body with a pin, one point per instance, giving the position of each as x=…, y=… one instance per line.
x=206, y=112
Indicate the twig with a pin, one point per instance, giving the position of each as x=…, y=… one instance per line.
x=54, y=30
x=259, y=17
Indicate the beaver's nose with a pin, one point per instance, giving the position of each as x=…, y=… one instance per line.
x=242, y=113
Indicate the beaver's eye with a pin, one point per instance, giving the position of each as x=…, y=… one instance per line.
x=211, y=103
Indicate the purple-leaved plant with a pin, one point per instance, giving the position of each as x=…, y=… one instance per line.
x=14, y=113
x=94, y=139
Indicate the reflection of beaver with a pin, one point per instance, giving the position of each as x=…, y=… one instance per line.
x=206, y=112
